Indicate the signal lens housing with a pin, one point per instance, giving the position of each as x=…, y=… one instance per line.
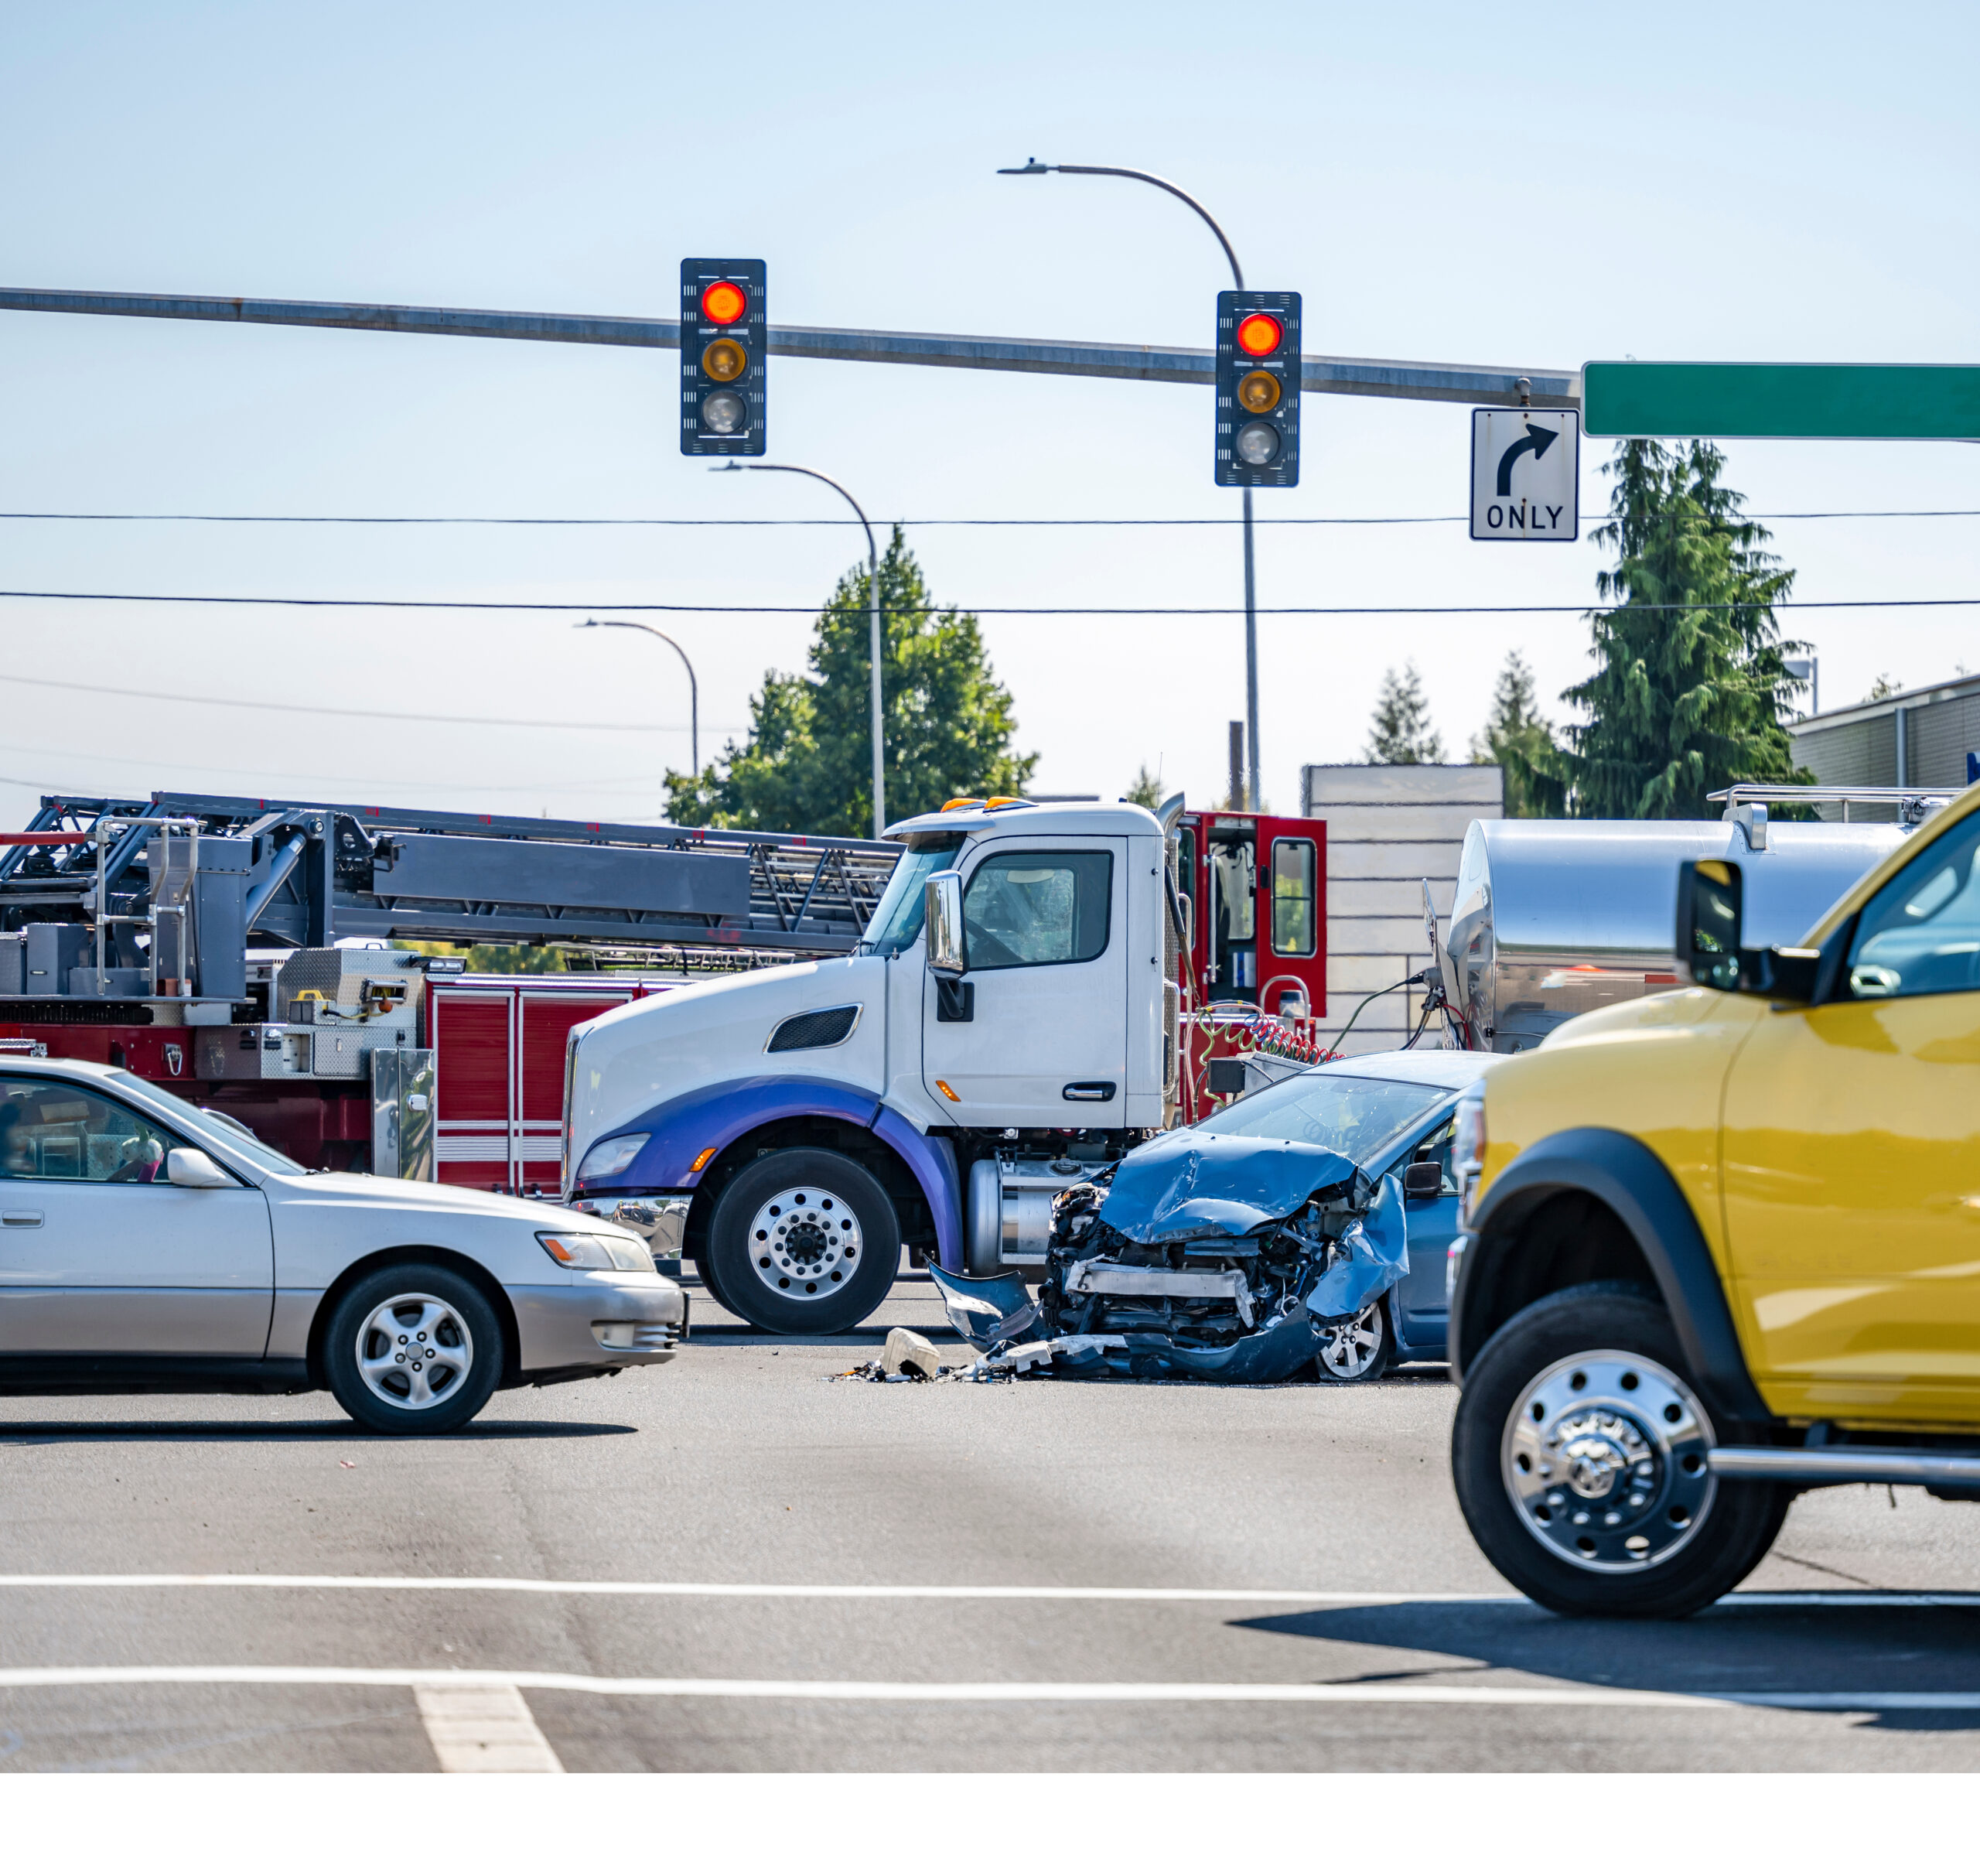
x=723, y=302
x=1258, y=445
x=724, y=414
x=1259, y=335
x=1258, y=392
x=724, y=361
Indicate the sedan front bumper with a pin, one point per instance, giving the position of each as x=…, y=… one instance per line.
x=600, y=1319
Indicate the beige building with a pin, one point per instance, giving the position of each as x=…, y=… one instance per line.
x=1390, y=827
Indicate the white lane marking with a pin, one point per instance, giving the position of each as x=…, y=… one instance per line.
x=1000, y=1592
x=1386, y=1694
x=482, y=1726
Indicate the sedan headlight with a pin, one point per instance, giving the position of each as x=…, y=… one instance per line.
x=611, y=1156
x=591, y=1250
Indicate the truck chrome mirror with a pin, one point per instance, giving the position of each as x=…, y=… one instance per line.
x=942, y=903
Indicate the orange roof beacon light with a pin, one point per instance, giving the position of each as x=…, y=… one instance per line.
x=723, y=302
x=1259, y=335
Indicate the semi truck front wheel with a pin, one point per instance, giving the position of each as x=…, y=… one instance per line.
x=803, y=1242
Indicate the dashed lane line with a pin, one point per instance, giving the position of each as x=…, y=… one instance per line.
x=1301, y=1693
x=482, y=1726
x=1000, y=1592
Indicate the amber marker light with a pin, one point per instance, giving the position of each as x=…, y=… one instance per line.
x=947, y=1090
x=1258, y=391
x=723, y=302
x=701, y=1158
x=1259, y=334
x=724, y=361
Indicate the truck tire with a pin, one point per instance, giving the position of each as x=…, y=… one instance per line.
x=1578, y=1454
x=803, y=1242
x=705, y=1270
x=413, y=1348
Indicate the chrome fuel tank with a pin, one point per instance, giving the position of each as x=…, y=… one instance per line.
x=1554, y=918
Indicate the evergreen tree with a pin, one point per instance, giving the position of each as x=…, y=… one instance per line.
x=1521, y=741
x=808, y=764
x=1692, y=686
x=1145, y=790
x=1401, y=731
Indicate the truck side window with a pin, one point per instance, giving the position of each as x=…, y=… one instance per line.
x=1920, y=935
x=1294, y=929
x=1037, y=908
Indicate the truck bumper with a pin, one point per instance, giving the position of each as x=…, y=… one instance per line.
x=600, y=1319
x=659, y=1217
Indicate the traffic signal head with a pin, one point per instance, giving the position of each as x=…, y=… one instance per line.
x=1257, y=390
x=723, y=340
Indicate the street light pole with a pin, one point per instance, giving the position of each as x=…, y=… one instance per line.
x=1034, y=167
x=693, y=689
x=872, y=623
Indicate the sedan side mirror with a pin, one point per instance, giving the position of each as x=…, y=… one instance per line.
x=1711, y=925
x=942, y=907
x=189, y=1167
x=1422, y=1179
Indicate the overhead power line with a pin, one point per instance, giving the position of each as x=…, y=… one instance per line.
x=987, y=611
x=331, y=709
x=1103, y=521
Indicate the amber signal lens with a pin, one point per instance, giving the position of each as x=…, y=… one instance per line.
x=724, y=361
x=1259, y=334
x=723, y=302
x=1258, y=391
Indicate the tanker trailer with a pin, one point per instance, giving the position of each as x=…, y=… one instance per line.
x=1552, y=919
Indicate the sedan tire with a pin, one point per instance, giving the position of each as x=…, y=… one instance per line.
x=413, y=1348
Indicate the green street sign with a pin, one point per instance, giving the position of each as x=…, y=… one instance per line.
x=1628, y=398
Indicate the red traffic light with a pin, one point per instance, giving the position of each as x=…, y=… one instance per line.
x=723, y=302
x=1259, y=334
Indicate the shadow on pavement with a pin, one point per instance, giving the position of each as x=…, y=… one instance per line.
x=1729, y=1650
x=61, y=1432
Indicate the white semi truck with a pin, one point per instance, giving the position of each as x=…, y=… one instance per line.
x=1009, y=1023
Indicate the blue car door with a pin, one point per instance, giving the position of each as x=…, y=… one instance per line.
x=1432, y=1224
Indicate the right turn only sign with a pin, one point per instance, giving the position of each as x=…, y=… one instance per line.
x=1525, y=474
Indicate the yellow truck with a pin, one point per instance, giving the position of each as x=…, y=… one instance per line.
x=1722, y=1245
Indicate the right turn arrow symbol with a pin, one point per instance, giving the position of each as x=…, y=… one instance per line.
x=1535, y=439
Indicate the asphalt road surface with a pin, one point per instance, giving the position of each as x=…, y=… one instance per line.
x=732, y=1562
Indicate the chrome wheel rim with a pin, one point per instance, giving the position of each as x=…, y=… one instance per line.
x=805, y=1242
x=1351, y=1347
x=1604, y=1458
x=415, y=1351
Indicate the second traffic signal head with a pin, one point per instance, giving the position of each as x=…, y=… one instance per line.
x=1257, y=390
x=724, y=336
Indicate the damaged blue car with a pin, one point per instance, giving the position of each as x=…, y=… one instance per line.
x=1255, y=1247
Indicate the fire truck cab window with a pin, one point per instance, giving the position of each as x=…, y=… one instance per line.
x=1232, y=923
x=51, y=1130
x=1294, y=929
x=1037, y=908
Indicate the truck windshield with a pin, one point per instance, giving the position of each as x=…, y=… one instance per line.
x=1352, y=1114
x=897, y=919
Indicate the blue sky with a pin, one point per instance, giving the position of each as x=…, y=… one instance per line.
x=1536, y=186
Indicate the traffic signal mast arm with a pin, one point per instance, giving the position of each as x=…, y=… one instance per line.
x=1366, y=377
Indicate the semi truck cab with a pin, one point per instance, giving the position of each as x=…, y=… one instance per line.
x=789, y=1129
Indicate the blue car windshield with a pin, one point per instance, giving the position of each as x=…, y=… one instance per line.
x=1352, y=1114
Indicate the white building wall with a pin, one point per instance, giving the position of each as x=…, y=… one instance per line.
x=1390, y=826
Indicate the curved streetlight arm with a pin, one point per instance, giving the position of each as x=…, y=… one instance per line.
x=873, y=619
x=1035, y=168
x=694, y=689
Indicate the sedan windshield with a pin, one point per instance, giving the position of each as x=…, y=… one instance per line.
x=239, y=1140
x=1352, y=1115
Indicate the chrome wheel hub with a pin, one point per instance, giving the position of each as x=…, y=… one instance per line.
x=1350, y=1348
x=805, y=1242
x=415, y=1351
x=1604, y=1459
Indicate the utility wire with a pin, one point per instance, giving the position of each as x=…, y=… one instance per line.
x=560, y=521
x=996, y=612
x=331, y=710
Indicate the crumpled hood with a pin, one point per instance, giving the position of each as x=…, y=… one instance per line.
x=1188, y=1184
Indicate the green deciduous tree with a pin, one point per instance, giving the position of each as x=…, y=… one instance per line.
x=1521, y=741
x=1401, y=731
x=1691, y=687
x=807, y=763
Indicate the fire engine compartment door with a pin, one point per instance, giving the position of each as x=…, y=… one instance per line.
x=1045, y=926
